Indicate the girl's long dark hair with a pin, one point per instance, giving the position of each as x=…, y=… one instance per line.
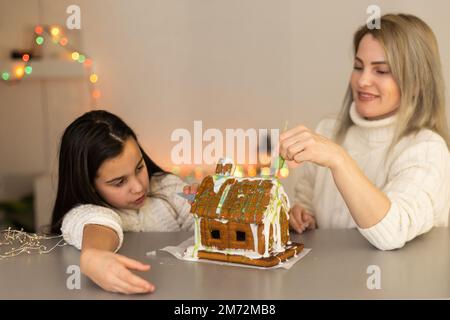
x=86, y=143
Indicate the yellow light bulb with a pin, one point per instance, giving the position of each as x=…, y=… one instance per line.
x=19, y=72
x=93, y=78
x=75, y=55
x=55, y=31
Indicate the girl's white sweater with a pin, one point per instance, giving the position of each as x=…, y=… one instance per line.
x=163, y=210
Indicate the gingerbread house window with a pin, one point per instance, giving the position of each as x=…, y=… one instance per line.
x=215, y=234
x=240, y=236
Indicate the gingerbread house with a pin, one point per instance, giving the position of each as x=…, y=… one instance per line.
x=241, y=220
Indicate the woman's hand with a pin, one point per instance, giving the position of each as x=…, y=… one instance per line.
x=301, y=220
x=367, y=204
x=190, y=189
x=110, y=271
x=301, y=144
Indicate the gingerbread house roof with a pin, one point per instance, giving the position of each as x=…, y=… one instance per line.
x=243, y=200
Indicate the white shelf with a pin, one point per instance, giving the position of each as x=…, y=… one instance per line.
x=46, y=69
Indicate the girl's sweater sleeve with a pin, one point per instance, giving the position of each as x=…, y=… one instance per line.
x=418, y=187
x=77, y=218
x=168, y=186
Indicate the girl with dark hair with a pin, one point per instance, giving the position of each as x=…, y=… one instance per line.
x=107, y=185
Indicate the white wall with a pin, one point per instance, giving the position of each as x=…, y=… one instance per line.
x=163, y=64
x=231, y=64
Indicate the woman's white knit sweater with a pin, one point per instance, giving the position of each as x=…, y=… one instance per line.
x=163, y=210
x=415, y=177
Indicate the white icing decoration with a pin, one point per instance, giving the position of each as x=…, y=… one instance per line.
x=222, y=198
x=224, y=221
x=254, y=228
x=224, y=161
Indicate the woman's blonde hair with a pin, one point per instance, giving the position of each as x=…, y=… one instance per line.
x=413, y=56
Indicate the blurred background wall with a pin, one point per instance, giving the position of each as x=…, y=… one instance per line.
x=162, y=64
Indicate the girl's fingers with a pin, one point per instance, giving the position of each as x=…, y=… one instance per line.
x=190, y=189
x=133, y=264
x=115, y=284
x=134, y=281
x=127, y=288
x=187, y=189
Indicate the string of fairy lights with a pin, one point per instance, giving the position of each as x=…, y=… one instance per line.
x=196, y=174
x=267, y=167
x=53, y=34
x=17, y=242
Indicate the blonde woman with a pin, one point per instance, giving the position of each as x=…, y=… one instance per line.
x=384, y=166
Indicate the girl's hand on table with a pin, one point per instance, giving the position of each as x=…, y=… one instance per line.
x=111, y=271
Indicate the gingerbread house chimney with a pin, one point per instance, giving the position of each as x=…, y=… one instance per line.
x=225, y=167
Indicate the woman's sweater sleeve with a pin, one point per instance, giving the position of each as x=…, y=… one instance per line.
x=306, y=174
x=304, y=187
x=418, y=188
x=77, y=218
